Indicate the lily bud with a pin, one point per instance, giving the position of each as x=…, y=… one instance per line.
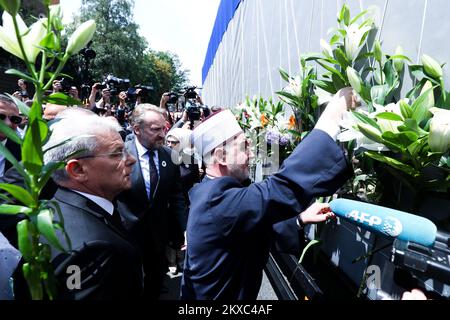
x=370, y=132
x=10, y=6
x=399, y=63
x=378, y=53
x=432, y=67
x=81, y=37
x=439, y=137
x=354, y=79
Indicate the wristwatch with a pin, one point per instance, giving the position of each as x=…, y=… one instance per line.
x=300, y=222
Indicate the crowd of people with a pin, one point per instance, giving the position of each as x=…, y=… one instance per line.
x=147, y=187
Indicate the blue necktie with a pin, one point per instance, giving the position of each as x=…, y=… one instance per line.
x=153, y=174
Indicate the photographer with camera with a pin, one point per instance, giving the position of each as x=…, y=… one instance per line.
x=194, y=110
x=103, y=106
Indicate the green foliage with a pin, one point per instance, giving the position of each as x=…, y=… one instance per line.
x=120, y=48
x=39, y=226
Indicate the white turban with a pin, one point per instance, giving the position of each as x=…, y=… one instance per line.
x=214, y=131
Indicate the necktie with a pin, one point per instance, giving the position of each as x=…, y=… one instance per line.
x=153, y=174
x=116, y=216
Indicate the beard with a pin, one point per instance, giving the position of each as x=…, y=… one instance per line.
x=240, y=172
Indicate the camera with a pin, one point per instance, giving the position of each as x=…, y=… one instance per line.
x=190, y=93
x=66, y=84
x=193, y=111
x=115, y=84
x=173, y=98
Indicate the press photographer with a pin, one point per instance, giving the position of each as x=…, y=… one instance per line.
x=194, y=110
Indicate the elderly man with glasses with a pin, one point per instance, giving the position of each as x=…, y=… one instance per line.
x=110, y=264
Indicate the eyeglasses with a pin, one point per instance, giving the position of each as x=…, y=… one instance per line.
x=13, y=119
x=122, y=154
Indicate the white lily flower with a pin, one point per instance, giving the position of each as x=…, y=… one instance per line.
x=353, y=39
x=439, y=138
x=31, y=37
x=350, y=132
x=294, y=87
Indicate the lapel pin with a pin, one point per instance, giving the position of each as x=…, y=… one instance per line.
x=164, y=164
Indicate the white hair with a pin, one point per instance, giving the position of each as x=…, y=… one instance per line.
x=137, y=118
x=83, y=130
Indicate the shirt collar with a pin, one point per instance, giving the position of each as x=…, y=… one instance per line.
x=101, y=202
x=143, y=150
x=140, y=148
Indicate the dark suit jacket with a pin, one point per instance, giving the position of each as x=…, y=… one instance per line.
x=152, y=219
x=111, y=265
x=230, y=227
x=8, y=222
x=16, y=151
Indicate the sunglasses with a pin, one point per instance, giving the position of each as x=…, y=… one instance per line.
x=13, y=119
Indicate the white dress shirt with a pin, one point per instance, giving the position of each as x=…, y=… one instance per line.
x=143, y=155
x=101, y=202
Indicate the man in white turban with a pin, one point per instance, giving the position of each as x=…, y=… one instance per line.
x=230, y=226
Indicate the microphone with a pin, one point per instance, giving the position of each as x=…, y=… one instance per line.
x=386, y=222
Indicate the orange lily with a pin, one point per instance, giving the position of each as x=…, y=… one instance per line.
x=291, y=124
x=264, y=120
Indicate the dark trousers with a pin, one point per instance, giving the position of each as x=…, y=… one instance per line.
x=155, y=269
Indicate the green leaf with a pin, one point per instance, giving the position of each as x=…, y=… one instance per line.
x=334, y=39
x=45, y=227
x=309, y=245
x=393, y=163
x=62, y=99
x=356, y=18
x=13, y=209
x=365, y=119
x=346, y=16
x=402, y=139
x=24, y=240
x=406, y=110
x=423, y=104
x=47, y=172
x=287, y=95
x=332, y=70
x=341, y=58
x=23, y=108
x=411, y=125
x=21, y=75
x=415, y=149
x=18, y=193
x=370, y=132
x=312, y=57
x=284, y=75
x=48, y=42
x=10, y=133
x=328, y=86
x=33, y=276
x=400, y=57
x=32, y=156
x=8, y=155
x=389, y=116
x=338, y=83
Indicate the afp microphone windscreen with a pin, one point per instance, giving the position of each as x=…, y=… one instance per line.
x=387, y=222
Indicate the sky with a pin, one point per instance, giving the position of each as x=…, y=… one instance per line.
x=181, y=26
